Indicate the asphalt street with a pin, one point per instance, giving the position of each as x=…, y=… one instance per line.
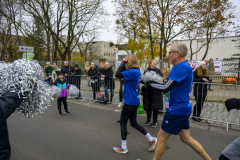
x=90, y=132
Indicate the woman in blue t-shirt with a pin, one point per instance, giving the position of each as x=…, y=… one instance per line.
x=129, y=70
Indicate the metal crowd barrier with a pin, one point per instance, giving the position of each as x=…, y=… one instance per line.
x=213, y=110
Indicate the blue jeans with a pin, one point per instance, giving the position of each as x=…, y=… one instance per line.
x=106, y=90
x=209, y=86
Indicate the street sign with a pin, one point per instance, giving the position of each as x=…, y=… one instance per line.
x=29, y=55
x=26, y=49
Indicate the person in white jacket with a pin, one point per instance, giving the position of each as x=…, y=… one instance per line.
x=55, y=72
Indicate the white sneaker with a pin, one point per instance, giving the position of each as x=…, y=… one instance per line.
x=120, y=104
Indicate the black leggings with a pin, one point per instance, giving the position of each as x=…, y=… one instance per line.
x=199, y=105
x=121, y=91
x=129, y=112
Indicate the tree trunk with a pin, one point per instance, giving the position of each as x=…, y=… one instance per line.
x=165, y=48
x=150, y=31
x=208, y=43
x=191, y=54
x=48, y=44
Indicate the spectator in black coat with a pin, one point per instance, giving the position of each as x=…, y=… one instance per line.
x=68, y=71
x=95, y=81
x=232, y=103
x=107, y=74
x=200, y=89
x=77, y=78
x=152, y=98
x=9, y=101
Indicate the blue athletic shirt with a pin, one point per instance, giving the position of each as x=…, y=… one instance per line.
x=180, y=94
x=132, y=80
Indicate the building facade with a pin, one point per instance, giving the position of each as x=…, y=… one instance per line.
x=219, y=49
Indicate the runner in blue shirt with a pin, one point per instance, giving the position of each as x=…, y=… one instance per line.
x=176, y=119
x=129, y=70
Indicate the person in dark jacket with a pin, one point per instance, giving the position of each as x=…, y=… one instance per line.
x=67, y=71
x=61, y=83
x=9, y=101
x=77, y=78
x=232, y=103
x=200, y=89
x=107, y=74
x=152, y=98
x=48, y=69
x=94, y=75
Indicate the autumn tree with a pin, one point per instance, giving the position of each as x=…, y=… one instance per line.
x=72, y=18
x=170, y=18
x=215, y=19
x=5, y=27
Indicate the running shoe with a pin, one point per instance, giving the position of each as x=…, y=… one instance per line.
x=120, y=150
x=147, y=123
x=66, y=112
x=154, y=125
x=152, y=144
x=60, y=113
x=118, y=121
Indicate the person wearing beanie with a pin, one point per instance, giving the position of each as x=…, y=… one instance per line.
x=200, y=75
x=77, y=78
x=48, y=69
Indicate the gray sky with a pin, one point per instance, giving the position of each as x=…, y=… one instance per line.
x=109, y=33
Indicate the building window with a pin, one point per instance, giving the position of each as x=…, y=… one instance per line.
x=104, y=45
x=111, y=54
x=6, y=56
x=104, y=53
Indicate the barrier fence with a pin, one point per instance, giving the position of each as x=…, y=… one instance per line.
x=211, y=106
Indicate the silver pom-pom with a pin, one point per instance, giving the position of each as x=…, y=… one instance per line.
x=73, y=91
x=27, y=78
x=56, y=92
x=152, y=76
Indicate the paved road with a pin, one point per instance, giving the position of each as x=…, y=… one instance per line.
x=90, y=133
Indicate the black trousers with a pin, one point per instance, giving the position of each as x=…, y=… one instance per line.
x=129, y=112
x=64, y=101
x=95, y=89
x=121, y=91
x=198, y=106
x=149, y=114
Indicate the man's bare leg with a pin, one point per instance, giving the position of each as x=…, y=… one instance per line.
x=162, y=138
x=186, y=138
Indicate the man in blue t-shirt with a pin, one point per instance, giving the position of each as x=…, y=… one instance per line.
x=176, y=118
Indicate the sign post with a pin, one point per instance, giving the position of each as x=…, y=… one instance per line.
x=26, y=49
